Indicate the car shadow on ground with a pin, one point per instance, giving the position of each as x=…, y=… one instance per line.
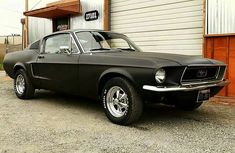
x=67, y=100
x=152, y=114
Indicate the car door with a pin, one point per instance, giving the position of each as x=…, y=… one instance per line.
x=58, y=63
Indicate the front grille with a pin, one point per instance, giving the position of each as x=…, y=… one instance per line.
x=195, y=74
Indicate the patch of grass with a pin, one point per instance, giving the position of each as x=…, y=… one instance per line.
x=1, y=61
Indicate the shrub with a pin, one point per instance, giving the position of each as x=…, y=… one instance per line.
x=1, y=60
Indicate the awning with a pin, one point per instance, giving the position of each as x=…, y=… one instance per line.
x=57, y=10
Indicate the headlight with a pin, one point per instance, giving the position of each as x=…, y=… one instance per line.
x=160, y=75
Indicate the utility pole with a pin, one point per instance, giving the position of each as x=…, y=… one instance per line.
x=26, y=23
x=13, y=38
x=7, y=45
x=23, y=41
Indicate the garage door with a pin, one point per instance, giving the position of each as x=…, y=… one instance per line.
x=172, y=26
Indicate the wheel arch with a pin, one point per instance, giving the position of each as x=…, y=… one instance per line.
x=17, y=67
x=111, y=73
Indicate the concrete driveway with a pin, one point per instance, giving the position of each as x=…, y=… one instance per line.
x=60, y=123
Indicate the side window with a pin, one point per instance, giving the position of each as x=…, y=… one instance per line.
x=87, y=41
x=54, y=43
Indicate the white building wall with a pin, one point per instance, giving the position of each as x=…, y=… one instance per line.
x=39, y=27
x=220, y=16
x=171, y=26
x=78, y=22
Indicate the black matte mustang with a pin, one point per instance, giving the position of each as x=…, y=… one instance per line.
x=110, y=67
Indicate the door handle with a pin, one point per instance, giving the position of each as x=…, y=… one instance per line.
x=41, y=56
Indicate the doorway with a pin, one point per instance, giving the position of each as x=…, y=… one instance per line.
x=60, y=24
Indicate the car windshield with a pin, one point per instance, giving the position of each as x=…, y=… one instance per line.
x=105, y=41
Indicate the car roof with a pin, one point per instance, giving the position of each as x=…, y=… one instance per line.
x=76, y=30
x=80, y=30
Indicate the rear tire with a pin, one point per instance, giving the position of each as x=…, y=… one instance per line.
x=122, y=104
x=22, y=85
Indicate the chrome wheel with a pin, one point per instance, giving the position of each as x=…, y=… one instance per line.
x=117, y=101
x=20, y=84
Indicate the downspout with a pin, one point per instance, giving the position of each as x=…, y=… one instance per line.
x=107, y=15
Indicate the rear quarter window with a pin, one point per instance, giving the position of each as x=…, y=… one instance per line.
x=35, y=45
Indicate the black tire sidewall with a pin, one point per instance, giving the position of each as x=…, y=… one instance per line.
x=28, y=85
x=123, y=84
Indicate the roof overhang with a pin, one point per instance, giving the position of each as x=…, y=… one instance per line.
x=59, y=9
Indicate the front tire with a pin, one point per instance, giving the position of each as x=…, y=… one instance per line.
x=23, y=86
x=121, y=103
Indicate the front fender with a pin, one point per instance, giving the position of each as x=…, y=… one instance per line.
x=118, y=71
x=114, y=72
x=19, y=65
x=136, y=76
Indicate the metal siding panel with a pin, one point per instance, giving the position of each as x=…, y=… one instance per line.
x=169, y=38
x=160, y=27
x=231, y=69
x=171, y=26
x=142, y=4
x=221, y=16
x=172, y=11
x=159, y=8
x=209, y=52
x=157, y=22
x=78, y=22
x=169, y=17
x=35, y=4
x=223, y=48
x=220, y=53
x=38, y=27
x=174, y=32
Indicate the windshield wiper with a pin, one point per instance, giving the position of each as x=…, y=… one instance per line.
x=94, y=49
x=127, y=49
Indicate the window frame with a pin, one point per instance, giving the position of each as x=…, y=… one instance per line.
x=42, y=50
x=128, y=41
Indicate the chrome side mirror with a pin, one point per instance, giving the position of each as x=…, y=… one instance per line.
x=65, y=49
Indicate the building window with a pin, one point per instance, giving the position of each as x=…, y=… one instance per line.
x=60, y=24
x=220, y=16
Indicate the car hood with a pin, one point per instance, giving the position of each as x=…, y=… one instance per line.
x=180, y=59
x=162, y=58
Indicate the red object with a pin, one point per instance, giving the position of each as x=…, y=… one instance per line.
x=222, y=47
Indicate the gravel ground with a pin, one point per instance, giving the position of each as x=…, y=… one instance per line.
x=60, y=123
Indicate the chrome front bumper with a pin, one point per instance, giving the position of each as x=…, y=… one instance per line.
x=186, y=87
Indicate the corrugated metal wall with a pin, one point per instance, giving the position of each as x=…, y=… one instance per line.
x=220, y=16
x=39, y=27
x=173, y=26
x=221, y=20
x=89, y=5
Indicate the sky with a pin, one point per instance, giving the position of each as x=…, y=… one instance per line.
x=11, y=11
